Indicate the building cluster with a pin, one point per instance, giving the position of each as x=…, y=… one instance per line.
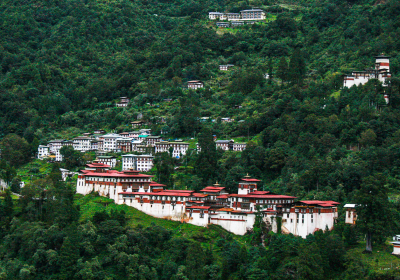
x=212, y=205
x=140, y=141
x=227, y=145
x=224, y=24
x=381, y=71
x=244, y=15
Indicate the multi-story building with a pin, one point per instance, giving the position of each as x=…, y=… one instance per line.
x=43, y=151
x=226, y=67
x=195, y=84
x=82, y=143
x=351, y=214
x=244, y=15
x=253, y=14
x=97, y=177
x=380, y=72
x=179, y=148
x=124, y=144
x=225, y=145
x=123, y=102
x=232, y=16
x=110, y=142
x=55, y=145
x=99, y=131
x=214, y=15
x=137, y=162
x=152, y=140
x=239, y=147
x=213, y=205
x=221, y=24
x=107, y=160
x=136, y=124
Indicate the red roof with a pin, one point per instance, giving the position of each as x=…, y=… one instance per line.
x=114, y=173
x=260, y=192
x=162, y=193
x=322, y=203
x=198, y=207
x=199, y=195
x=223, y=196
x=196, y=201
x=97, y=164
x=250, y=180
x=210, y=190
x=269, y=196
x=187, y=191
x=155, y=184
x=226, y=209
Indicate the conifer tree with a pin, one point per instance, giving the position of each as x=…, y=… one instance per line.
x=206, y=162
x=297, y=68
x=282, y=70
x=373, y=209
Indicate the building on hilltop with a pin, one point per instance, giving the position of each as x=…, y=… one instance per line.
x=212, y=205
x=123, y=102
x=381, y=72
x=214, y=15
x=136, y=124
x=253, y=14
x=195, y=84
x=225, y=67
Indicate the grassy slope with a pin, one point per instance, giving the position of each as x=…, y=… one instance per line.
x=91, y=204
x=380, y=260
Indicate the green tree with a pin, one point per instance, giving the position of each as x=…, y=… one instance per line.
x=165, y=168
x=206, y=162
x=71, y=157
x=373, y=209
x=297, y=68
x=282, y=71
x=15, y=150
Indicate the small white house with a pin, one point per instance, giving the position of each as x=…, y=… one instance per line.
x=195, y=84
x=43, y=151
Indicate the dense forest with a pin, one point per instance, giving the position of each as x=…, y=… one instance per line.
x=64, y=64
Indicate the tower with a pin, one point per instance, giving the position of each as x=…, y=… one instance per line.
x=382, y=62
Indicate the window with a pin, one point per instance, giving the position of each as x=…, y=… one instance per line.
x=291, y=221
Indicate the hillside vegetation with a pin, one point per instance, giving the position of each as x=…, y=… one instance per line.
x=64, y=64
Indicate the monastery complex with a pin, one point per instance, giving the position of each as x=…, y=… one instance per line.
x=212, y=205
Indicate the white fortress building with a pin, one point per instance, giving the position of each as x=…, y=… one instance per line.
x=212, y=205
x=380, y=72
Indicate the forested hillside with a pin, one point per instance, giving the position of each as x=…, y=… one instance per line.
x=64, y=64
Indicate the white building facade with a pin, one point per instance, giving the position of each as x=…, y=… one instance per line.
x=137, y=162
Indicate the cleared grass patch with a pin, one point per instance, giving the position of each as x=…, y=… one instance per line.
x=90, y=204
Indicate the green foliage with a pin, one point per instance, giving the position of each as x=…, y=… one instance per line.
x=15, y=150
x=374, y=212
x=165, y=167
x=71, y=157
